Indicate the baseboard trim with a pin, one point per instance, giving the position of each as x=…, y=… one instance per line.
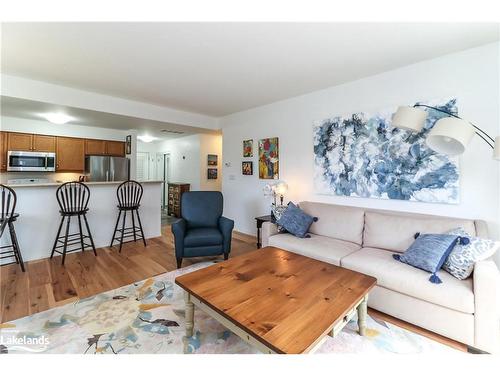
x=249, y=238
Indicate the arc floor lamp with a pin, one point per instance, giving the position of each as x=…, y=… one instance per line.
x=449, y=135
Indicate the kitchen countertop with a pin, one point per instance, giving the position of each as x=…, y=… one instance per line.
x=90, y=183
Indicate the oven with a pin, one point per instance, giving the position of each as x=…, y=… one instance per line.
x=26, y=161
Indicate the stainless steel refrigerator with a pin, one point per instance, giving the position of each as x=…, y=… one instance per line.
x=107, y=168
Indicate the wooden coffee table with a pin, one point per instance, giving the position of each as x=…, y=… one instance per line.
x=278, y=301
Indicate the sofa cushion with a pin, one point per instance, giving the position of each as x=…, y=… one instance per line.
x=202, y=237
x=452, y=293
x=341, y=222
x=396, y=232
x=322, y=248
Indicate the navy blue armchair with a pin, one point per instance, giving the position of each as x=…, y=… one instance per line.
x=202, y=230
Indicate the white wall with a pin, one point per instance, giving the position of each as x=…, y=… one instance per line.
x=472, y=76
x=19, y=87
x=15, y=124
x=210, y=144
x=188, y=158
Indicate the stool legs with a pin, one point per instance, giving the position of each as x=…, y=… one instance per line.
x=123, y=230
x=15, y=246
x=57, y=237
x=89, y=234
x=66, y=240
x=72, y=239
x=140, y=227
x=128, y=232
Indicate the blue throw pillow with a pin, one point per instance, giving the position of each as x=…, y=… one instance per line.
x=296, y=221
x=429, y=252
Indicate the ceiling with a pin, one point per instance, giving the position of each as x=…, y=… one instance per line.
x=34, y=110
x=221, y=68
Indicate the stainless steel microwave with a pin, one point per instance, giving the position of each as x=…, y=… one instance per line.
x=26, y=161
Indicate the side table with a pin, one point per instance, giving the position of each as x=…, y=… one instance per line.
x=260, y=220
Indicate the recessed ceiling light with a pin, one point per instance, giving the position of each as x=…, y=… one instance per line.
x=57, y=118
x=146, y=138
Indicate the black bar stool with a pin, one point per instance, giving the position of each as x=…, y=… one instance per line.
x=9, y=200
x=129, y=195
x=73, y=199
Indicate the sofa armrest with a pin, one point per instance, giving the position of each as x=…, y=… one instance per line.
x=179, y=232
x=268, y=229
x=486, y=279
x=226, y=227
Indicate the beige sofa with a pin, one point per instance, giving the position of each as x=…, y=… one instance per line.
x=364, y=240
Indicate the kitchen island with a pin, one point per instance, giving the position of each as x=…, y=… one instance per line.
x=39, y=216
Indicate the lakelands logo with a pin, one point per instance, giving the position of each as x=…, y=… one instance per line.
x=24, y=343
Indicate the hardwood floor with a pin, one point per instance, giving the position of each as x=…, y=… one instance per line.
x=47, y=284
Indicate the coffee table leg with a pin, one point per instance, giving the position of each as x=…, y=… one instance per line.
x=189, y=316
x=189, y=319
x=362, y=312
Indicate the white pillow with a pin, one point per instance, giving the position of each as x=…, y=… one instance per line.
x=460, y=262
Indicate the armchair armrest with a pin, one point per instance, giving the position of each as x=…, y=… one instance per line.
x=226, y=227
x=179, y=232
x=268, y=229
x=486, y=280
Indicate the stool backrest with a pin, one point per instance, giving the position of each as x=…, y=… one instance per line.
x=129, y=193
x=8, y=201
x=73, y=196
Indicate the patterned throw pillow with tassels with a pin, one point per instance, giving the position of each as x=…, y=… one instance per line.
x=429, y=252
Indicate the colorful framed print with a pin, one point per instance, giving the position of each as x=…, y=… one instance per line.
x=269, y=159
x=247, y=168
x=248, y=148
x=212, y=160
x=212, y=173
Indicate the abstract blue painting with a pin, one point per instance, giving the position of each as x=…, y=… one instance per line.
x=363, y=155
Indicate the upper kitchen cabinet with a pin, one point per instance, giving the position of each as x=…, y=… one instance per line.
x=19, y=142
x=70, y=154
x=95, y=147
x=115, y=148
x=3, y=151
x=44, y=143
x=30, y=142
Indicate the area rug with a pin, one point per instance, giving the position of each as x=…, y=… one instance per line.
x=148, y=317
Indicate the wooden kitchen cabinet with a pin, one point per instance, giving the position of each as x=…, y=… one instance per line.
x=115, y=148
x=3, y=151
x=44, y=143
x=31, y=142
x=19, y=142
x=95, y=147
x=70, y=154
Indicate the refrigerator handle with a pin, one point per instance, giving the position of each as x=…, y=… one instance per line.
x=107, y=175
x=112, y=175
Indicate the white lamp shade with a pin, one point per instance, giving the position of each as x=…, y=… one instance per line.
x=496, y=150
x=450, y=136
x=281, y=188
x=409, y=118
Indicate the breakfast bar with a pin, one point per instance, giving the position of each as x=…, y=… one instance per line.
x=39, y=216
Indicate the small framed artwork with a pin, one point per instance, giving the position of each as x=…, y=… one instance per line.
x=212, y=160
x=128, y=144
x=247, y=168
x=248, y=148
x=212, y=173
